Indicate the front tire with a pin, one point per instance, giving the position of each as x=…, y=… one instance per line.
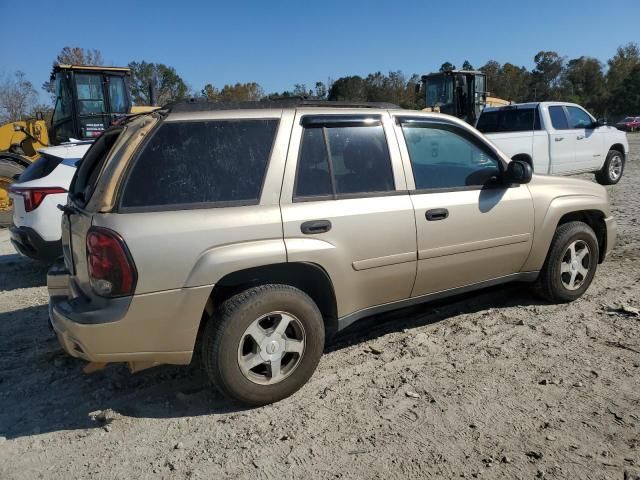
x=611, y=171
x=263, y=344
x=570, y=265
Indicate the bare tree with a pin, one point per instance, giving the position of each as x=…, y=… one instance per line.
x=75, y=56
x=17, y=97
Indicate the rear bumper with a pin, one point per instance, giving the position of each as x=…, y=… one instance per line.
x=149, y=328
x=28, y=242
x=612, y=233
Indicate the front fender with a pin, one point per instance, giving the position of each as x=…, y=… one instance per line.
x=547, y=223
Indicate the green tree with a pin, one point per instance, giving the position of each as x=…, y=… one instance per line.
x=515, y=83
x=467, y=65
x=626, y=58
x=625, y=99
x=164, y=80
x=492, y=70
x=210, y=93
x=17, y=97
x=241, y=92
x=352, y=89
x=446, y=66
x=583, y=82
x=321, y=91
x=546, y=76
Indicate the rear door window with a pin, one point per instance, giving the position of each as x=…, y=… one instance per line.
x=40, y=168
x=509, y=120
x=201, y=163
x=558, y=118
x=343, y=158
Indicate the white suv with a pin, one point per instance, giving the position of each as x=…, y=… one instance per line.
x=43, y=186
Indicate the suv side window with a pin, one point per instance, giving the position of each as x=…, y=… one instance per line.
x=558, y=117
x=206, y=163
x=442, y=156
x=579, y=118
x=343, y=159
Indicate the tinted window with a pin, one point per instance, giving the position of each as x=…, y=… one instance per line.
x=509, y=120
x=442, y=157
x=202, y=162
x=40, y=168
x=117, y=95
x=579, y=118
x=558, y=118
x=337, y=160
x=90, y=95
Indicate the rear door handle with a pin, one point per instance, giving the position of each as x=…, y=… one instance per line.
x=315, y=226
x=579, y=137
x=559, y=139
x=436, y=214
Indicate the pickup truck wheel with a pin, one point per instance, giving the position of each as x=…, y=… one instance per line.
x=611, y=171
x=263, y=344
x=570, y=265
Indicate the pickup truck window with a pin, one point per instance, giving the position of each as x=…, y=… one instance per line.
x=558, y=117
x=579, y=118
x=337, y=160
x=509, y=120
x=442, y=158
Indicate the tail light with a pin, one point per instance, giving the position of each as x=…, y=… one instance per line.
x=33, y=197
x=111, y=269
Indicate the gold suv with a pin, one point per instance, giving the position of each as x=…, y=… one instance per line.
x=255, y=231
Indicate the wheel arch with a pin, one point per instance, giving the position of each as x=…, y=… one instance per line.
x=310, y=278
x=589, y=209
x=618, y=147
x=593, y=218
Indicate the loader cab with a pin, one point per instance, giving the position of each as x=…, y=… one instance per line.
x=461, y=93
x=88, y=99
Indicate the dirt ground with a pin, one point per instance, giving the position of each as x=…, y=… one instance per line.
x=490, y=385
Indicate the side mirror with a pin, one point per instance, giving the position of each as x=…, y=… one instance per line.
x=601, y=122
x=519, y=171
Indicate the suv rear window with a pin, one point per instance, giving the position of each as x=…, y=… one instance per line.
x=40, y=168
x=205, y=163
x=509, y=120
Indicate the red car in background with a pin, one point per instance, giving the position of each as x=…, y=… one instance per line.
x=629, y=124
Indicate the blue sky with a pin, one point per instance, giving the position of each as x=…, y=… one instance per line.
x=278, y=44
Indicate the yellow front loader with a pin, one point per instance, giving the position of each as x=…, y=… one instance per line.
x=88, y=99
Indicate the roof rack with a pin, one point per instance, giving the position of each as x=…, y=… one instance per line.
x=202, y=105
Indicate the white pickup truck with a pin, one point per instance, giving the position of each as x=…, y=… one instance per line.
x=557, y=138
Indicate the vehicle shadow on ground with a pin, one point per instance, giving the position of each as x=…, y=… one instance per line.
x=47, y=391
x=18, y=272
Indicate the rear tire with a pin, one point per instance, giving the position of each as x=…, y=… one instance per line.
x=612, y=170
x=263, y=344
x=570, y=265
x=8, y=170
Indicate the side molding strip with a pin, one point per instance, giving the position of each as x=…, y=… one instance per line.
x=347, y=320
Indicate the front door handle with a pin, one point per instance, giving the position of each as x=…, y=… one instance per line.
x=579, y=137
x=315, y=226
x=436, y=214
x=559, y=139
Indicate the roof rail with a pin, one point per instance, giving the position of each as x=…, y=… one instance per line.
x=202, y=105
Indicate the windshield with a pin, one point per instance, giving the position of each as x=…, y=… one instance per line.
x=629, y=119
x=439, y=91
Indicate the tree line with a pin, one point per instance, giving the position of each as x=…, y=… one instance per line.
x=610, y=89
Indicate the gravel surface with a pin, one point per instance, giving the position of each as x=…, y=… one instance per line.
x=491, y=385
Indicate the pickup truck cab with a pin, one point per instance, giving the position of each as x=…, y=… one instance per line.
x=557, y=138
